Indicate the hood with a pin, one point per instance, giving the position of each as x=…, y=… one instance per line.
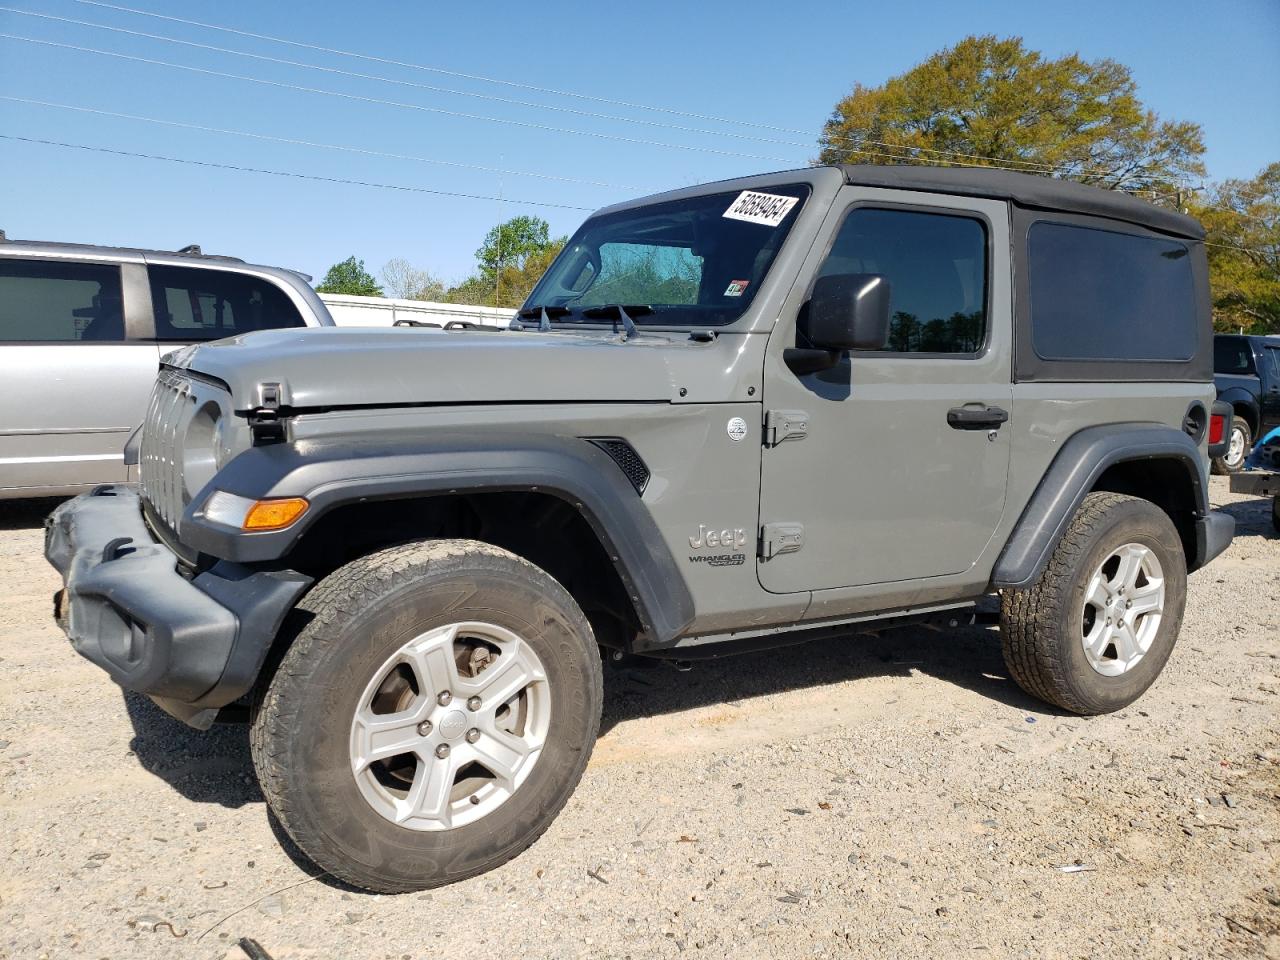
x=338, y=367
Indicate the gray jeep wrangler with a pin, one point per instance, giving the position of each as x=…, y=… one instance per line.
x=743, y=414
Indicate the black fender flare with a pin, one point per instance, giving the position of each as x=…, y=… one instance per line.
x=333, y=473
x=1074, y=472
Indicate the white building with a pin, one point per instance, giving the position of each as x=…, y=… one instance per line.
x=349, y=311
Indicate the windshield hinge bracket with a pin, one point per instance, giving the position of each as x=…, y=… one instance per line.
x=780, y=425
x=779, y=538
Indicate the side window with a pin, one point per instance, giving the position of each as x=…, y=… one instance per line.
x=936, y=265
x=49, y=301
x=1104, y=295
x=1274, y=354
x=1232, y=355
x=205, y=304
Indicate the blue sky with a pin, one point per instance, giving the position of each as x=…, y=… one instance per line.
x=783, y=65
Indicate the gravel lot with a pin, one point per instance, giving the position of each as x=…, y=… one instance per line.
x=895, y=796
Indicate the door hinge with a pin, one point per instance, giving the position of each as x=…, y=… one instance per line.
x=780, y=425
x=779, y=538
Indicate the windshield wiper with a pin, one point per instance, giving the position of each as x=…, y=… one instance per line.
x=542, y=314
x=620, y=313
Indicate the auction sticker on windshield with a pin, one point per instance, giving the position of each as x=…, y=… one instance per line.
x=768, y=209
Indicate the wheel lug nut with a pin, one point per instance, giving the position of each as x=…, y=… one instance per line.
x=445, y=698
x=1108, y=621
x=442, y=751
x=1128, y=604
x=424, y=728
x=473, y=735
x=473, y=704
x=475, y=798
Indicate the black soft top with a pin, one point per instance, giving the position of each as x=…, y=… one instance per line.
x=1026, y=190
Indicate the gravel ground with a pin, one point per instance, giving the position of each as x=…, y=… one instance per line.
x=896, y=796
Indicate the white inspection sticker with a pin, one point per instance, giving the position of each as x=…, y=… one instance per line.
x=769, y=209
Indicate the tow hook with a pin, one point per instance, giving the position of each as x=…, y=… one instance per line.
x=115, y=548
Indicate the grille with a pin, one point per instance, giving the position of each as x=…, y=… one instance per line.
x=625, y=456
x=160, y=453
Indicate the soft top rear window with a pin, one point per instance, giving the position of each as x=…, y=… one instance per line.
x=1106, y=295
x=697, y=261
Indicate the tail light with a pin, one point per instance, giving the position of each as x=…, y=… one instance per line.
x=1216, y=425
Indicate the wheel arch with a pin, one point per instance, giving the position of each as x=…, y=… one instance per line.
x=1148, y=460
x=503, y=483
x=1244, y=405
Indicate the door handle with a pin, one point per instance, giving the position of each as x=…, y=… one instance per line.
x=976, y=418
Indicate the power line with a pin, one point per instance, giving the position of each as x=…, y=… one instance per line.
x=366, y=183
x=453, y=113
x=430, y=69
x=1025, y=166
x=391, y=103
x=408, y=83
x=313, y=143
x=287, y=173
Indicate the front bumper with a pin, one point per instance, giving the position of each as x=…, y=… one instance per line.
x=193, y=644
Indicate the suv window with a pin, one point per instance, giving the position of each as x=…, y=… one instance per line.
x=1232, y=355
x=50, y=301
x=936, y=265
x=196, y=304
x=1101, y=295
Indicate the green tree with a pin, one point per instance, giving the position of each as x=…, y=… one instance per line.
x=514, y=256
x=512, y=243
x=350, y=277
x=988, y=97
x=1242, y=222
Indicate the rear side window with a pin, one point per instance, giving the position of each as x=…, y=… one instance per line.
x=48, y=301
x=1232, y=355
x=1274, y=354
x=936, y=265
x=194, y=304
x=1104, y=295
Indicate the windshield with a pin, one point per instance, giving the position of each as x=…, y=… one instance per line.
x=692, y=262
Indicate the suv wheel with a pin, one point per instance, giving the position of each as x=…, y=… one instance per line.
x=1095, y=630
x=1238, y=447
x=431, y=717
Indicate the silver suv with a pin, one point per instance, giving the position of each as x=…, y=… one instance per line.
x=807, y=404
x=82, y=331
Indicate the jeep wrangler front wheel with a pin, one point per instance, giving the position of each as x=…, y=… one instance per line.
x=1096, y=628
x=431, y=717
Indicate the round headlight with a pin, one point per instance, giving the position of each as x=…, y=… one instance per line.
x=199, y=457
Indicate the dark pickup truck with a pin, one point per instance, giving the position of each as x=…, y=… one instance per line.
x=1247, y=374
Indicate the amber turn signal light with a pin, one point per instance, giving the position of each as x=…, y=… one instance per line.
x=274, y=514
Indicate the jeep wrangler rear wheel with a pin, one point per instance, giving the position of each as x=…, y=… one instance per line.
x=1095, y=630
x=432, y=716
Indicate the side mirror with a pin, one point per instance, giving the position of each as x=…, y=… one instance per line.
x=849, y=311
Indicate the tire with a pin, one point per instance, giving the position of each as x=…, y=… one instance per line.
x=1275, y=514
x=389, y=607
x=1045, y=627
x=1228, y=464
